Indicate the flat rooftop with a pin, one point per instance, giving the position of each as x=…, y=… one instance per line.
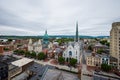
x=22, y=62
x=2, y=64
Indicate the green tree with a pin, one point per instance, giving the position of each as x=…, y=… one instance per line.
x=41, y=56
x=9, y=40
x=6, y=49
x=108, y=44
x=100, y=51
x=61, y=60
x=15, y=51
x=90, y=47
x=33, y=54
x=73, y=62
x=103, y=42
x=27, y=54
x=19, y=52
x=64, y=40
x=96, y=39
x=105, y=67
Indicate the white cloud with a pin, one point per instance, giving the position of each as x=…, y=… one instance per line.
x=9, y=30
x=33, y=17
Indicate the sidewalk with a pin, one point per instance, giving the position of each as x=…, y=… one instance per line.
x=58, y=66
x=85, y=72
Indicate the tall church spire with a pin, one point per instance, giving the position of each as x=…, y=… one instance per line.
x=77, y=36
x=46, y=32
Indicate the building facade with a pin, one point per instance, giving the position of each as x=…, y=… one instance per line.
x=105, y=60
x=37, y=46
x=96, y=60
x=99, y=46
x=1, y=49
x=93, y=61
x=13, y=71
x=115, y=42
x=16, y=68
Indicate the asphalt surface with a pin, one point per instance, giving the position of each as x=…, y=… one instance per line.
x=38, y=69
x=83, y=59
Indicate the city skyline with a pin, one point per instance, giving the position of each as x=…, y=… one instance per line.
x=32, y=18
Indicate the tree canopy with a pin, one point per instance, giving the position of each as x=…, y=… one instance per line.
x=63, y=40
x=33, y=54
x=100, y=51
x=41, y=56
x=19, y=52
x=9, y=40
x=105, y=42
x=61, y=60
x=105, y=67
x=90, y=47
x=73, y=62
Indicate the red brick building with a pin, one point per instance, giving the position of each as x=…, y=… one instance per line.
x=1, y=49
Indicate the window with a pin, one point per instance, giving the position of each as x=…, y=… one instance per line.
x=70, y=53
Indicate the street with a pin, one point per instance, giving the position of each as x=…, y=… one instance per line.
x=84, y=71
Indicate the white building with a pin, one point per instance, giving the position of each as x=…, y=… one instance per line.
x=74, y=49
x=50, y=45
x=37, y=46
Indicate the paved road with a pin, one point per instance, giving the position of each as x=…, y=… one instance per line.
x=98, y=77
x=83, y=58
x=84, y=68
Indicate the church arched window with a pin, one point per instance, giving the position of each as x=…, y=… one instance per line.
x=70, y=53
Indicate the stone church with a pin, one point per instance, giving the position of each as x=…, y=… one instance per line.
x=37, y=46
x=74, y=49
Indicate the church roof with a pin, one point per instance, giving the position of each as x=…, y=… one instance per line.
x=58, y=50
x=73, y=43
x=45, y=35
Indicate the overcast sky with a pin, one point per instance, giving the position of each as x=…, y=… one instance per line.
x=33, y=17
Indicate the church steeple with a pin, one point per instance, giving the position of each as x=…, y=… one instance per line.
x=77, y=36
x=45, y=38
x=46, y=32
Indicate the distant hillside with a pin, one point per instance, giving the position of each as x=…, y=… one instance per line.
x=51, y=36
